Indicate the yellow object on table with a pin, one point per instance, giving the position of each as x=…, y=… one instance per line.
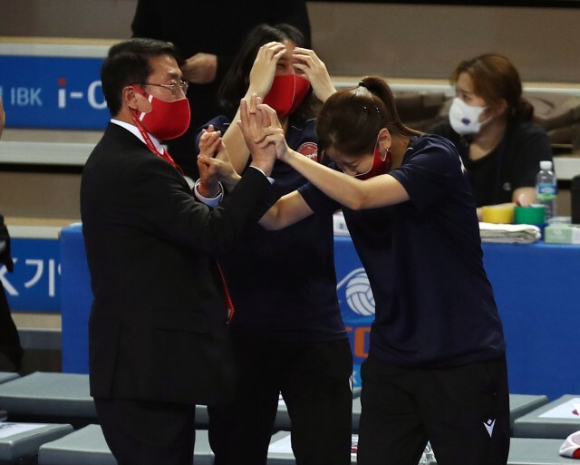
x=498, y=214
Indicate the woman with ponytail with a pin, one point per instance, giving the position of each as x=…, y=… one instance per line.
x=491, y=125
x=436, y=369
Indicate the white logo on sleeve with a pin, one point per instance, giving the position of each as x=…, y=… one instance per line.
x=489, y=424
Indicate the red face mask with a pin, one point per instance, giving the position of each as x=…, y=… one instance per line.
x=379, y=166
x=287, y=93
x=166, y=120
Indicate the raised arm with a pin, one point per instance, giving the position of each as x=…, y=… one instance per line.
x=261, y=78
x=353, y=193
x=316, y=72
x=261, y=128
x=288, y=210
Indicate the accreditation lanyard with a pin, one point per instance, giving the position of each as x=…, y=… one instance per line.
x=151, y=146
x=227, y=297
x=165, y=155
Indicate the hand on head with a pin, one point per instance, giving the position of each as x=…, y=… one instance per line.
x=314, y=69
x=264, y=68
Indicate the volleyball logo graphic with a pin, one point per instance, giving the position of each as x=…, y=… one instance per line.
x=359, y=295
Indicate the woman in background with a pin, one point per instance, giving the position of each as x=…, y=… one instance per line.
x=491, y=125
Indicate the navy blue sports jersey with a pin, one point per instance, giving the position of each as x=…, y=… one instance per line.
x=434, y=306
x=283, y=283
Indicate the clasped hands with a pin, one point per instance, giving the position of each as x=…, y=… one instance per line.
x=262, y=130
x=213, y=163
x=263, y=135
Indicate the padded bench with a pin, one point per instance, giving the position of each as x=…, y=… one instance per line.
x=61, y=397
x=49, y=398
x=522, y=404
x=557, y=420
x=6, y=376
x=20, y=442
x=87, y=446
x=529, y=451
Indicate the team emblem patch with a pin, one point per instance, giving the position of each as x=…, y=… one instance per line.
x=309, y=149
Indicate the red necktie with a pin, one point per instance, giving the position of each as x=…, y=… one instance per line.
x=165, y=155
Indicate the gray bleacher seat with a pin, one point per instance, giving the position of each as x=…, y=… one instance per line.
x=546, y=422
x=521, y=404
x=22, y=445
x=356, y=411
x=49, y=397
x=6, y=376
x=526, y=451
x=201, y=416
x=58, y=397
x=87, y=446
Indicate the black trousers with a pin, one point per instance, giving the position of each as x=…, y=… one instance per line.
x=463, y=411
x=314, y=379
x=146, y=432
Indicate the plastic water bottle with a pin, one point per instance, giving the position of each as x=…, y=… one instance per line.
x=547, y=188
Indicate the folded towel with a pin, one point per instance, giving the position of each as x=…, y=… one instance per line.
x=509, y=233
x=571, y=446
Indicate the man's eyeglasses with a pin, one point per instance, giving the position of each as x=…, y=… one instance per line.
x=174, y=87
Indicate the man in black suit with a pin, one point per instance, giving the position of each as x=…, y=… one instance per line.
x=158, y=333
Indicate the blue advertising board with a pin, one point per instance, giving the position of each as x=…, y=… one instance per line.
x=355, y=297
x=35, y=283
x=52, y=92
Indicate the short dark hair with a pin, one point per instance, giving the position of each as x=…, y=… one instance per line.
x=128, y=63
x=237, y=79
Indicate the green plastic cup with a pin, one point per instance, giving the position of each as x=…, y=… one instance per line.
x=534, y=214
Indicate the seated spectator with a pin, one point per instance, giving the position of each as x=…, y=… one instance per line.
x=490, y=123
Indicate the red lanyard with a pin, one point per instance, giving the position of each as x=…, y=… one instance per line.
x=228, y=298
x=165, y=155
x=151, y=146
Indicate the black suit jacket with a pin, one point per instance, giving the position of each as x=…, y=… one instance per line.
x=158, y=328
